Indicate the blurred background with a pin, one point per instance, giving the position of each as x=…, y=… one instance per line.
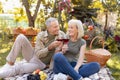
x=99, y=17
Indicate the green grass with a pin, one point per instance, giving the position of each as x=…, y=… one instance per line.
x=113, y=63
x=5, y=47
x=4, y=50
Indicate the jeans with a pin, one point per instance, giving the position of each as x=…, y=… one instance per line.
x=61, y=64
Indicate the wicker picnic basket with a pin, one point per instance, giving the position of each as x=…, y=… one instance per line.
x=99, y=55
x=31, y=31
x=18, y=30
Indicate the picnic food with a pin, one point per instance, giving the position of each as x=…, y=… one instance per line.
x=42, y=75
x=36, y=71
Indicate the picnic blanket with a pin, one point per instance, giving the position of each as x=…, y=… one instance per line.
x=103, y=74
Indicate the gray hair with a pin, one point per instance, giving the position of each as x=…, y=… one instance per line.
x=49, y=20
x=79, y=25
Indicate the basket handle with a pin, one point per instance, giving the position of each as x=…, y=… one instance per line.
x=96, y=38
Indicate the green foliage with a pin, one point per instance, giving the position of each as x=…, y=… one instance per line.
x=110, y=5
x=4, y=49
x=50, y=8
x=5, y=31
x=118, y=24
x=19, y=15
x=84, y=3
x=97, y=4
x=84, y=10
x=1, y=8
x=40, y=21
x=114, y=65
x=112, y=45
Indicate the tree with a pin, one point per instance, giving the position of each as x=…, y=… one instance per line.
x=82, y=10
x=31, y=18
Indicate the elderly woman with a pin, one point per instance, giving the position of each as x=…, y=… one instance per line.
x=70, y=59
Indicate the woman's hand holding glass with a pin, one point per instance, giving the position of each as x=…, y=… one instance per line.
x=64, y=48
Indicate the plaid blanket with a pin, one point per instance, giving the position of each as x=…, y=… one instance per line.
x=103, y=74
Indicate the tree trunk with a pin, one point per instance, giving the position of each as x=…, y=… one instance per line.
x=105, y=27
x=106, y=20
x=31, y=19
x=31, y=22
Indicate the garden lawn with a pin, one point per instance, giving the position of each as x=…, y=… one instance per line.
x=114, y=65
x=5, y=47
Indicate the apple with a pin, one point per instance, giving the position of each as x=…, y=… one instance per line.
x=86, y=36
x=37, y=71
x=90, y=27
x=24, y=31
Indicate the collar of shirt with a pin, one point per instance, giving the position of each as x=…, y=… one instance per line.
x=47, y=34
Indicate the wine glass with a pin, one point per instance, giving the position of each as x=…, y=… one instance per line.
x=65, y=41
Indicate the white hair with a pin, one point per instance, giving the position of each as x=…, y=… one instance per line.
x=49, y=20
x=79, y=26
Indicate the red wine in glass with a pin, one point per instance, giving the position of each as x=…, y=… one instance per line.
x=65, y=41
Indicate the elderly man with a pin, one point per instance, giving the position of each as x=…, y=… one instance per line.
x=36, y=58
x=46, y=42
